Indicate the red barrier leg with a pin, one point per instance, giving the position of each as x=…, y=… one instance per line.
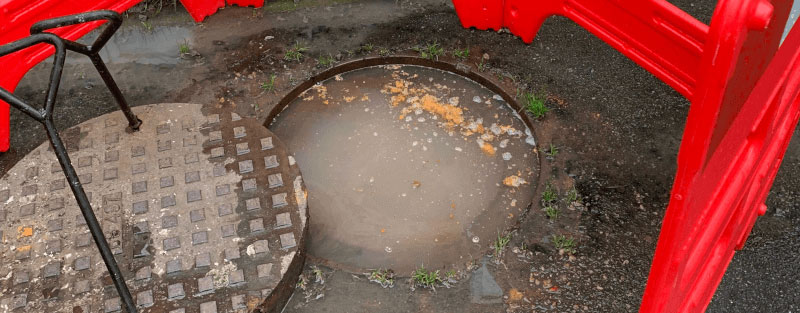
x=702, y=229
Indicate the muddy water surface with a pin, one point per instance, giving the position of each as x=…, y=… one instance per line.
x=407, y=166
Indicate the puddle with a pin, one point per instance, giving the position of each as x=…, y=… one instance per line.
x=396, y=183
x=160, y=45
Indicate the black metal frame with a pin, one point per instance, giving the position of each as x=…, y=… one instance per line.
x=45, y=115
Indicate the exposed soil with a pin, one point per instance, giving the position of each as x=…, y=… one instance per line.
x=616, y=127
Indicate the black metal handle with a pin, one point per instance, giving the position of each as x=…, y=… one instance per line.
x=114, y=21
x=92, y=51
x=45, y=117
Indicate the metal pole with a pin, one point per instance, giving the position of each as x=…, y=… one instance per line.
x=88, y=214
x=133, y=121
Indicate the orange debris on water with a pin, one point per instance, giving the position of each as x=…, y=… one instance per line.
x=396, y=100
x=450, y=113
x=514, y=294
x=383, y=230
x=488, y=149
x=349, y=99
x=513, y=181
x=23, y=248
x=364, y=98
x=322, y=91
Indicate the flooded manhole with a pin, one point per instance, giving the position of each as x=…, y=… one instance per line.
x=408, y=165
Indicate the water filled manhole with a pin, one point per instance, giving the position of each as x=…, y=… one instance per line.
x=408, y=165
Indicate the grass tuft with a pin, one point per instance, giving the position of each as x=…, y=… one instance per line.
x=572, y=195
x=534, y=104
x=184, y=47
x=325, y=60
x=426, y=279
x=551, y=151
x=383, y=277
x=552, y=212
x=432, y=51
x=564, y=243
x=549, y=195
x=461, y=54
x=269, y=86
x=367, y=47
x=500, y=244
x=295, y=53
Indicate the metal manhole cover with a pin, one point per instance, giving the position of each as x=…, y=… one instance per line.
x=204, y=212
x=408, y=165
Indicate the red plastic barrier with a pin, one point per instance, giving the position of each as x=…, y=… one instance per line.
x=736, y=135
x=246, y=3
x=704, y=226
x=200, y=9
x=736, y=132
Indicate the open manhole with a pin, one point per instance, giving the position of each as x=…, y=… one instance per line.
x=406, y=165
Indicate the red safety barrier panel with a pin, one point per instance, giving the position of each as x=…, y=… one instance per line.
x=739, y=123
x=246, y=3
x=704, y=226
x=200, y=9
x=726, y=168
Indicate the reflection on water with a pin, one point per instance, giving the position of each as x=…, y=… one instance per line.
x=159, y=45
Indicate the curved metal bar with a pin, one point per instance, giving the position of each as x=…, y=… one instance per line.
x=114, y=21
x=45, y=117
x=92, y=51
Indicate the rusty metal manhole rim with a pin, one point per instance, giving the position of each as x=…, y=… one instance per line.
x=454, y=68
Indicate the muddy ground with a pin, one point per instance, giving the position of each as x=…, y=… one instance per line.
x=616, y=127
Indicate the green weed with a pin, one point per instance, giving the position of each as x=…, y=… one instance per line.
x=184, y=47
x=552, y=212
x=565, y=243
x=549, y=194
x=383, y=277
x=481, y=66
x=319, y=276
x=426, y=279
x=295, y=53
x=572, y=195
x=432, y=51
x=325, y=60
x=269, y=86
x=462, y=54
x=500, y=244
x=302, y=282
x=147, y=26
x=534, y=104
x=552, y=151
x=384, y=52
x=367, y=47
